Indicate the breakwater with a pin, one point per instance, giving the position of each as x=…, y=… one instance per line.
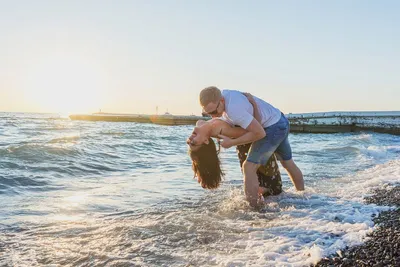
x=321, y=122
x=339, y=122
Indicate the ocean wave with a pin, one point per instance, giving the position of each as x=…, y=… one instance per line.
x=20, y=181
x=65, y=139
x=29, y=117
x=344, y=149
x=38, y=151
x=45, y=128
x=98, y=167
x=9, y=123
x=362, y=136
x=358, y=184
x=380, y=153
x=112, y=133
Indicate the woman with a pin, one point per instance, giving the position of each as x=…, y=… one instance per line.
x=206, y=163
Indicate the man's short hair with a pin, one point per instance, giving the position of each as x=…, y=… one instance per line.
x=210, y=94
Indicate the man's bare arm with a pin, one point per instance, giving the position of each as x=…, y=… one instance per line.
x=254, y=132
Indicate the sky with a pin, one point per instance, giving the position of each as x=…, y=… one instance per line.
x=134, y=56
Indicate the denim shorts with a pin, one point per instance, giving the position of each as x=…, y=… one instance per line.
x=276, y=140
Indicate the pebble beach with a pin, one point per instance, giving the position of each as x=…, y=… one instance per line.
x=383, y=245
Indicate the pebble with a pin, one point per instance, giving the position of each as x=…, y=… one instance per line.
x=382, y=249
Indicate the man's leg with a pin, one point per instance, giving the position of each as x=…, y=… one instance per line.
x=269, y=177
x=242, y=151
x=251, y=182
x=285, y=157
x=295, y=173
x=259, y=154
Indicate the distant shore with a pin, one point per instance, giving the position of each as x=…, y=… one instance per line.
x=320, y=122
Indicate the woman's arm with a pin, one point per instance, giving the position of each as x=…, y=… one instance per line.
x=224, y=128
x=253, y=102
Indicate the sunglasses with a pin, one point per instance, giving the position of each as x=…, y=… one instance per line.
x=215, y=111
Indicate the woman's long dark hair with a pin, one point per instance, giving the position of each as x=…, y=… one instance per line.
x=206, y=165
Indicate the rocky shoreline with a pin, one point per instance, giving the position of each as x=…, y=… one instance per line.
x=383, y=247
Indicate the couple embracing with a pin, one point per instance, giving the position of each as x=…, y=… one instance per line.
x=259, y=131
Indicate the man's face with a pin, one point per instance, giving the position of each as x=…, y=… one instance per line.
x=214, y=109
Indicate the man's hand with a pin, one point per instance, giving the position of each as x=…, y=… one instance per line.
x=225, y=141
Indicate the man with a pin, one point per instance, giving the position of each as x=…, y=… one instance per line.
x=267, y=136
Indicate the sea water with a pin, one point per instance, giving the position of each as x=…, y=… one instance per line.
x=76, y=193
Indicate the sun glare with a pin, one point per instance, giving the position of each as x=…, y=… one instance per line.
x=65, y=85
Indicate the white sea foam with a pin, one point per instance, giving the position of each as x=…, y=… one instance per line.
x=300, y=228
x=362, y=136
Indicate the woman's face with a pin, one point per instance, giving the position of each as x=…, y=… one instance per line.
x=198, y=137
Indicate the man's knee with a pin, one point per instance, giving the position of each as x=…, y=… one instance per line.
x=250, y=166
x=287, y=164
